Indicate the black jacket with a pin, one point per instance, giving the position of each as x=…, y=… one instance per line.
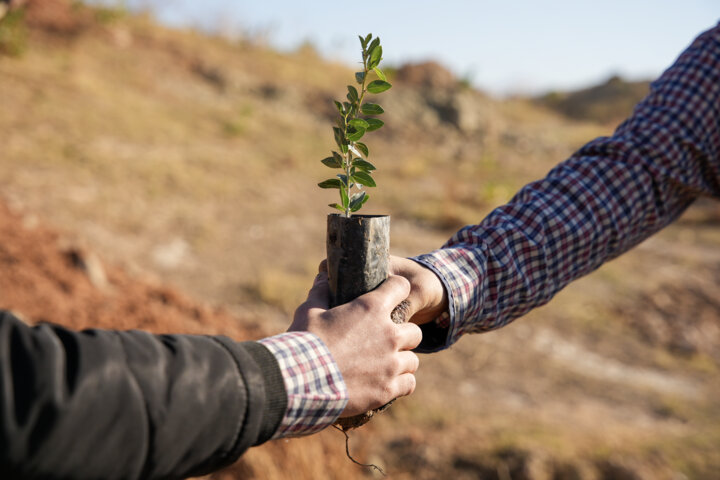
x=106, y=404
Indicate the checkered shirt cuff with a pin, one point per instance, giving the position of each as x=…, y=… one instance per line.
x=316, y=391
x=461, y=273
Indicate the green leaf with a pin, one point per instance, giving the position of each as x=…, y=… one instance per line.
x=374, y=124
x=352, y=94
x=378, y=86
x=357, y=201
x=335, y=205
x=363, y=165
x=330, y=183
x=340, y=138
x=371, y=109
x=373, y=45
x=339, y=158
x=359, y=77
x=359, y=123
x=339, y=106
x=363, y=148
x=367, y=38
x=331, y=162
x=344, y=197
x=357, y=134
x=380, y=74
x=365, y=199
x=363, y=178
x=357, y=197
x=375, y=56
x=363, y=42
x=343, y=179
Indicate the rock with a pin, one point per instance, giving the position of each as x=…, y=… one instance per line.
x=465, y=111
x=90, y=264
x=427, y=75
x=171, y=255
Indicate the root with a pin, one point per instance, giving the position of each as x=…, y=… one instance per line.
x=347, y=452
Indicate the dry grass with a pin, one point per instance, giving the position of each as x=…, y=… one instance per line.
x=195, y=159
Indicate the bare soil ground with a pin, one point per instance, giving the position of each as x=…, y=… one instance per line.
x=48, y=277
x=138, y=163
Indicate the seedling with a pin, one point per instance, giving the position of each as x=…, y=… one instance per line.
x=356, y=118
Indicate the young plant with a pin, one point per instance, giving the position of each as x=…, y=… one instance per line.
x=356, y=118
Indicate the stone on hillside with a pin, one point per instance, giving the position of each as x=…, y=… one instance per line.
x=464, y=110
x=427, y=75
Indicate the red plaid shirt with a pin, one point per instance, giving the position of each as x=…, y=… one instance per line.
x=316, y=392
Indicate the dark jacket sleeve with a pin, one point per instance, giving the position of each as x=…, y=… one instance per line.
x=109, y=404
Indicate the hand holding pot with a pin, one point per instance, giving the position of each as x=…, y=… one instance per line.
x=428, y=298
x=372, y=352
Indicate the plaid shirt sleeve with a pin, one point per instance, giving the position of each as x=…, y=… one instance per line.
x=316, y=392
x=609, y=196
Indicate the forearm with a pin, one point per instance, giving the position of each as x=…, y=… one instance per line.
x=609, y=196
x=103, y=404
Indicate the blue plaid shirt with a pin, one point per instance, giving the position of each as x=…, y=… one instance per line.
x=609, y=196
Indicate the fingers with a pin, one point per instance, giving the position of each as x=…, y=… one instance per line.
x=319, y=294
x=323, y=266
x=413, y=302
x=408, y=362
x=391, y=292
x=428, y=297
x=408, y=269
x=396, y=264
x=403, y=385
x=410, y=336
x=402, y=382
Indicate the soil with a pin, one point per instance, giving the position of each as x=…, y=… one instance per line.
x=47, y=278
x=186, y=182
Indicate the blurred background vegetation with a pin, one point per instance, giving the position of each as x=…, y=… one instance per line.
x=192, y=159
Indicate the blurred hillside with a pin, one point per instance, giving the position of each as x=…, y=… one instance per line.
x=607, y=103
x=191, y=162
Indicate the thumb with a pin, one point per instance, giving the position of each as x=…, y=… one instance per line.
x=415, y=302
x=319, y=294
x=392, y=291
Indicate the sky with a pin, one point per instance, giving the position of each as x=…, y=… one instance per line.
x=509, y=47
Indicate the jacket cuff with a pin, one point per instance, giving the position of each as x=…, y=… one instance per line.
x=264, y=389
x=275, y=395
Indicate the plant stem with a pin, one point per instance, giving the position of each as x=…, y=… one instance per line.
x=348, y=163
x=348, y=155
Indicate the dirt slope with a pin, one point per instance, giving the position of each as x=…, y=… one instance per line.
x=45, y=277
x=191, y=161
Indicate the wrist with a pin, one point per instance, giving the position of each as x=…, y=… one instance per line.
x=433, y=292
x=440, y=328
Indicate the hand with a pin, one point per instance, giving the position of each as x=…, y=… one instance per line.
x=428, y=298
x=372, y=352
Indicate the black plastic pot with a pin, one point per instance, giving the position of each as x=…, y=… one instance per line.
x=358, y=256
x=358, y=250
